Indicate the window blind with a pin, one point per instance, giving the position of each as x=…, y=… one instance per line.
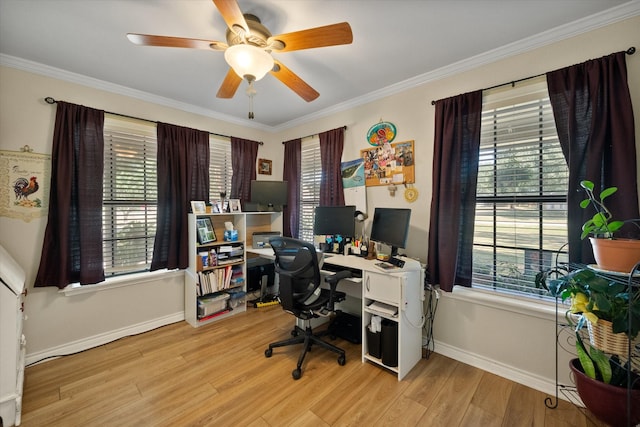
x=520, y=222
x=220, y=170
x=130, y=195
x=311, y=174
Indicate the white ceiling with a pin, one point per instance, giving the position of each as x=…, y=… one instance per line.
x=396, y=43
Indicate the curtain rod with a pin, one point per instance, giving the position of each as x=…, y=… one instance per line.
x=50, y=100
x=314, y=134
x=629, y=51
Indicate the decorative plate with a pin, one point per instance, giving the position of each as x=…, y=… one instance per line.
x=410, y=194
x=381, y=133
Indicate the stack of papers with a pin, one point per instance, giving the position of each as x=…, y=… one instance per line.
x=383, y=308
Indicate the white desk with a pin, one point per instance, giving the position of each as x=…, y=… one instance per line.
x=400, y=288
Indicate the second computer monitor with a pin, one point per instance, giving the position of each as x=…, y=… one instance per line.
x=268, y=195
x=334, y=221
x=391, y=227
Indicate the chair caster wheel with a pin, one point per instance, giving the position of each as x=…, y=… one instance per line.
x=342, y=360
x=268, y=352
x=294, y=333
x=296, y=374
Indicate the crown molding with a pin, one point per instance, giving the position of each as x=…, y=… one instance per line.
x=60, y=74
x=581, y=26
x=610, y=16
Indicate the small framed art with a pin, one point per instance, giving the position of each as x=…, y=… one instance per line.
x=206, y=233
x=234, y=205
x=198, y=207
x=264, y=166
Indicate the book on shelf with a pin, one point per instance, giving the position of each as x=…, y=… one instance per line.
x=211, y=281
x=230, y=260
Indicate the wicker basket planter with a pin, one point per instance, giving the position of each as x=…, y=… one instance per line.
x=602, y=337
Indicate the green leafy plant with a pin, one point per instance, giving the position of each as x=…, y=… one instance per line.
x=598, y=366
x=595, y=296
x=601, y=224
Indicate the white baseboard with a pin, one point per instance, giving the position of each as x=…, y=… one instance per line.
x=104, y=338
x=528, y=379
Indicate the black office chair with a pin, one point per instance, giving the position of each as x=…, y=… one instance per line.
x=301, y=295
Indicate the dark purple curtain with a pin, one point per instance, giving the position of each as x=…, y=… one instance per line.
x=291, y=174
x=331, y=145
x=244, y=154
x=72, y=247
x=455, y=173
x=183, y=175
x=594, y=118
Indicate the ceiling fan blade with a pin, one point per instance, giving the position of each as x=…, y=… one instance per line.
x=329, y=35
x=232, y=15
x=229, y=85
x=294, y=82
x=166, y=41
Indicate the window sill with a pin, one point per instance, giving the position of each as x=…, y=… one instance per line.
x=119, y=282
x=540, y=308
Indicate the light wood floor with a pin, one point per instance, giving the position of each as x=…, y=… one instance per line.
x=218, y=375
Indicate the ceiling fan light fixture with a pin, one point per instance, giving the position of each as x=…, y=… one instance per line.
x=249, y=61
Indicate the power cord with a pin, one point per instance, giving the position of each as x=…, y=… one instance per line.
x=430, y=316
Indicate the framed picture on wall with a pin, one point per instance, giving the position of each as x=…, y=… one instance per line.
x=264, y=166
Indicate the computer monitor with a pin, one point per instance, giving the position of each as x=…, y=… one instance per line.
x=334, y=221
x=269, y=195
x=391, y=227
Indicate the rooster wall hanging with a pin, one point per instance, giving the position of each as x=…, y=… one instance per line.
x=24, y=183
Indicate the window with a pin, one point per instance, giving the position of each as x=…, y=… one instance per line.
x=311, y=174
x=521, y=211
x=130, y=195
x=130, y=191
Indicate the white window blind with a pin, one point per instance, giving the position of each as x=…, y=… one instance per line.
x=220, y=170
x=521, y=212
x=311, y=174
x=130, y=195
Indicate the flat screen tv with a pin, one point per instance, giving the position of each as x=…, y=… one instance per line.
x=269, y=195
x=334, y=221
x=391, y=227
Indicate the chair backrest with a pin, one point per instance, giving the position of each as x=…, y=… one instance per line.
x=298, y=269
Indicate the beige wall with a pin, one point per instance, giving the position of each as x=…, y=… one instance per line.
x=517, y=343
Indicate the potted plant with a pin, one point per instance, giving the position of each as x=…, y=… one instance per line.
x=612, y=254
x=606, y=386
x=604, y=379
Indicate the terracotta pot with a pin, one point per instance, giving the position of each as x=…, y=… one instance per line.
x=616, y=254
x=606, y=402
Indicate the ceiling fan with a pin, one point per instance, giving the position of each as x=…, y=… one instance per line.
x=248, y=49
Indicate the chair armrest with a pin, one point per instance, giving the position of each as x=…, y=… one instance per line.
x=333, y=280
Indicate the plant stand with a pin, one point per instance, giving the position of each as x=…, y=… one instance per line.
x=630, y=353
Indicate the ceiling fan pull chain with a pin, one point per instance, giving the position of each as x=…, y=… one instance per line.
x=251, y=91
